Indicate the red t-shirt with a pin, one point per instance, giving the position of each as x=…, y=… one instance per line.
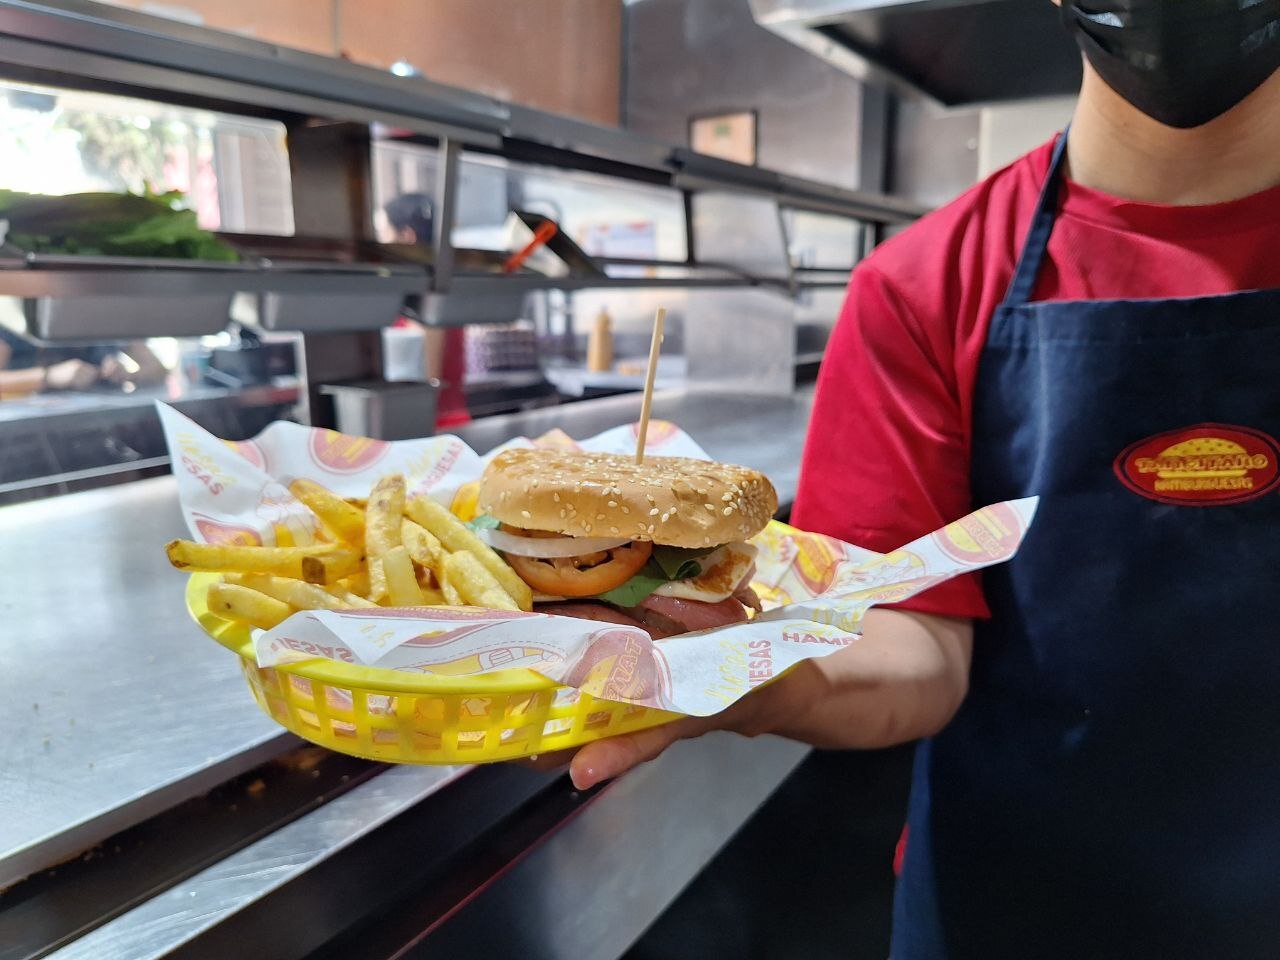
x=887, y=457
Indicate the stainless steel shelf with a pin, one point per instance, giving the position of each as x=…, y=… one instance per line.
x=145, y=55
x=71, y=277
x=98, y=298
x=80, y=43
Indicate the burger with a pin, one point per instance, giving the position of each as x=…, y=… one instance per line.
x=660, y=545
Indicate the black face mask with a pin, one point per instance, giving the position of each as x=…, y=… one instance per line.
x=1181, y=62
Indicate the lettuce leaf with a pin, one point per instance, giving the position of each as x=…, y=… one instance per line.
x=483, y=522
x=680, y=563
x=114, y=224
x=665, y=564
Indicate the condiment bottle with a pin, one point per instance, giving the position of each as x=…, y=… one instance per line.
x=600, y=344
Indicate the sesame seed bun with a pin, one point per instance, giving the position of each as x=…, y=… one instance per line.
x=668, y=500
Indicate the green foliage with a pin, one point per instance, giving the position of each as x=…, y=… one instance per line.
x=110, y=224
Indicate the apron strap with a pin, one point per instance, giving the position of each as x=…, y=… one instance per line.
x=1023, y=285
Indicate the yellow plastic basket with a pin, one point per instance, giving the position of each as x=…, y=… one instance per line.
x=396, y=717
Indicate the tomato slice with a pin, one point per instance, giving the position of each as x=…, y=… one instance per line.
x=566, y=579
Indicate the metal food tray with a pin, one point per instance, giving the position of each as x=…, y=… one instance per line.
x=95, y=298
x=324, y=297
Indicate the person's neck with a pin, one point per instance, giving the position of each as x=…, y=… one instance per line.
x=1121, y=151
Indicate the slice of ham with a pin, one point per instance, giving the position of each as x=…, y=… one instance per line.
x=747, y=597
x=744, y=594
x=590, y=611
x=673, y=615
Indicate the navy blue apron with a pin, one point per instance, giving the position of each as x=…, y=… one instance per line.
x=1111, y=786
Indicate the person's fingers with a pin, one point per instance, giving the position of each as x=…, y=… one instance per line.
x=547, y=762
x=86, y=375
x=608, y=758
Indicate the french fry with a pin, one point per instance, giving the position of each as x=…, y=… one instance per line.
x=466, y=501
x=345, y=520
x=298, y=593
x=424, y=547
x=402, y=582
x=284, y=537
x=357, y=583
x=329, y=567
x=382, y=530
x=454, y=535
x=346, y=597
x=432, y=597
x=475, y=584
x=426, y=578
x=234, y=602
x=450, y=593
x=229, y=558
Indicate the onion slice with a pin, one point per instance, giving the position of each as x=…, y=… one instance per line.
x=549, y=547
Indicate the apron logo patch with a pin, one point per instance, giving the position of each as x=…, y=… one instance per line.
x=1210, y=464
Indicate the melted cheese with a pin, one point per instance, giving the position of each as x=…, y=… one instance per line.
x=721, y=573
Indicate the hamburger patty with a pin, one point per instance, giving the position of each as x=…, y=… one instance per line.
x=658, y=616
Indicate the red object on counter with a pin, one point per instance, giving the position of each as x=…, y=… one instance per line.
x=451, y=407
x=887, y=459
x=544, y=233
x=451, y=404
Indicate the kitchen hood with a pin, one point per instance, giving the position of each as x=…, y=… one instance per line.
x=953, y=52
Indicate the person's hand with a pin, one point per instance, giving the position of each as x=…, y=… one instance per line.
x=113, y=371
x=605, y=759
x=71, y=375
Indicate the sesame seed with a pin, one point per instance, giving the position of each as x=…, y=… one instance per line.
x=562, y=513
x=555, y=497
x=613, y=529
x=666, y=517
x=651, y=528
x=710, y=506
x=586, y=527
x=613, y=504
x=727, y=497
x=625, y=508
x=599, y=516
x=526, y=514
x=653, y=512
x=728, y=510
x=649, y=497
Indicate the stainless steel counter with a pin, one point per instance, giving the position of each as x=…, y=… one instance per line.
x=52, y=443
x=112, y=707
x=97, y=655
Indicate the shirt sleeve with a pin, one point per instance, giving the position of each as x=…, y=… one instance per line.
x=887, y=455
x=21, y=353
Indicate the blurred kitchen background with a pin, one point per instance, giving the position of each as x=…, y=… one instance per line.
x=729, y=160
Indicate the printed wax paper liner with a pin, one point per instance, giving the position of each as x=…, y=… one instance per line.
x=815, y=588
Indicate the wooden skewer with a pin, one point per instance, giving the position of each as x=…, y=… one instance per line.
x=654, y=347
